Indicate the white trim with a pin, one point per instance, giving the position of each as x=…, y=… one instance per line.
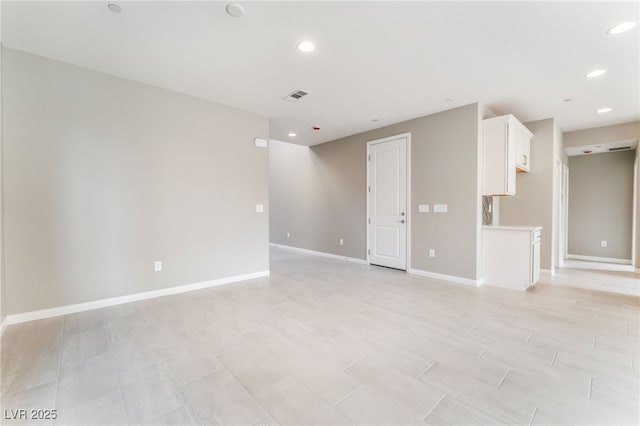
x=599, y=259
x=548, y=272
x=102, y=303
x=444, y=277
x=4, y=326
x=320, y=253
x=637, y=270
x=406, y=135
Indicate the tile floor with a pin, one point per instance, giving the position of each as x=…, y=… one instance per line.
x=324, y=342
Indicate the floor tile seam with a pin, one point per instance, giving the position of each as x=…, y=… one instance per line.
x=533, y=415
x=424, y=418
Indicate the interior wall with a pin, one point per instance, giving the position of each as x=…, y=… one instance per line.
x=619, y=132
x=104, y=176
x=601, y=204
x=3, y=311
x=598, y=135
x=536, y=198
x=318, y=194
x=637, y=218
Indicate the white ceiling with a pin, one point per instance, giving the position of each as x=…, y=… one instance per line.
x=374, y=60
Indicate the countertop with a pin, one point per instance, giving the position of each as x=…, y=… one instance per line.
x=513, y=228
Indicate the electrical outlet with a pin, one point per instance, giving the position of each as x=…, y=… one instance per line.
x=432, y=253
x=288, y=235
x=157, y=266
x=341, y=242
x=603, y=243
x=259, y=208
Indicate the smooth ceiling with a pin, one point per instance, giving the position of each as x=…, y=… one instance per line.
x=388, y=61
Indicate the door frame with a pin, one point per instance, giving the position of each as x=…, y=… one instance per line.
x=408, y=180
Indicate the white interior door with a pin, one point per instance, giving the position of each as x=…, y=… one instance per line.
x=388, y=203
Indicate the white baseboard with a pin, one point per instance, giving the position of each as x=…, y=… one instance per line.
x=444, y=277
x=96, y=304
x=549, y=272
x=4, y=326
x=320, y=253
x=599, y=259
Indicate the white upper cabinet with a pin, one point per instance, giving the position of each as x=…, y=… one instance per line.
x=506, y=150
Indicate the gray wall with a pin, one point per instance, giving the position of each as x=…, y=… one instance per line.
x=601, y=204
x=597, y=135
x=318, y=194
x=104, y=176
x=3, y=310
x=533, y=204
x=637, y=236
x=618, y=132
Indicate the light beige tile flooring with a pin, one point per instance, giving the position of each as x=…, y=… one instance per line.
x=324, y=342
x=610, y=277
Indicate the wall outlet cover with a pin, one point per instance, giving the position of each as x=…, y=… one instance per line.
x=157, y=266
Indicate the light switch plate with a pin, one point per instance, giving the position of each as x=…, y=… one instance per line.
x=423, y=208
x=261, y=143
x=259, y=208
x=440, y=208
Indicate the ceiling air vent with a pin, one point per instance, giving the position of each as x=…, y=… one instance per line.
x=295, y=95
x=620, y=148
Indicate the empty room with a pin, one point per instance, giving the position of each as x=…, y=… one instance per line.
x=319, y=213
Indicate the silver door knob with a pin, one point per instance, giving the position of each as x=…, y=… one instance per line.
x=402, y=214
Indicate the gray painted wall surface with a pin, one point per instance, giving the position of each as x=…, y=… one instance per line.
x=3, y=310
x=637, y=261
x=534, y=200
x=594, y=136
x=104, y=176
x=318, y=194
x=601, y=204
x=619, y=132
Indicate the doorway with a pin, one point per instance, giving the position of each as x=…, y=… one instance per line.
x=388, y=218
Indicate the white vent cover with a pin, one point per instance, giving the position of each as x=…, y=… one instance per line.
x=295, y=95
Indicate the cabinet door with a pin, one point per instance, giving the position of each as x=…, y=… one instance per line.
x=522, y=147
x=510, y=147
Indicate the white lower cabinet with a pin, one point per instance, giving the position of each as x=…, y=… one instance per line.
x=511, y=256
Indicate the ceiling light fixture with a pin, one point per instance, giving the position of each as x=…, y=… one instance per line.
x=114, y=8
x=235, y=10
x=292, y=135
x=595, y=73
x=306, y=46
x=604, y=110
x=622, y=28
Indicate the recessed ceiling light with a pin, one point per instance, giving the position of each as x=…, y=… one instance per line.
x=604, y=110
x=621, y=28
x=292, y=135
x=235, y=10
x=595, y=73
x=306, y=46
x=114, y=8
